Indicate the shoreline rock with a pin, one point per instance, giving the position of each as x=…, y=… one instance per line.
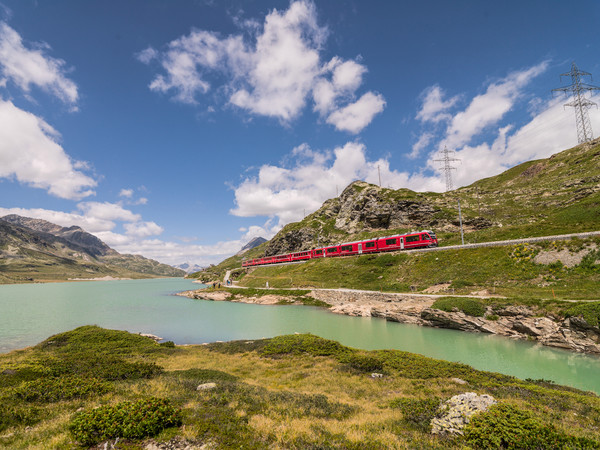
x=516, y=322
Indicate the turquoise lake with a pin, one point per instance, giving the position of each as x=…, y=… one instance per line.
x=29, y=313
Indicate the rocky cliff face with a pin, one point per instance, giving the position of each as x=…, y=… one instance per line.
x=363, y=207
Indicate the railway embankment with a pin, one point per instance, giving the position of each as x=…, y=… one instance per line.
x=509, y=320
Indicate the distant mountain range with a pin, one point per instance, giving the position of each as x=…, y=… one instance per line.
x=189, y=268
x=38, y=250
x=252, y=244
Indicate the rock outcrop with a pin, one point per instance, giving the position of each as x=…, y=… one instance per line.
x=457, y=412
x=520, y=322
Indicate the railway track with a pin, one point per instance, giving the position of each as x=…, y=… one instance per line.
x=560, y=237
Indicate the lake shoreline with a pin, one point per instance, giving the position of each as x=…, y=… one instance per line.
x=514, y=321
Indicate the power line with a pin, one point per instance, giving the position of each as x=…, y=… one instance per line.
x=447, y=158
x=580, y=103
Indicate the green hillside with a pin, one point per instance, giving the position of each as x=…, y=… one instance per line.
x=558, y=195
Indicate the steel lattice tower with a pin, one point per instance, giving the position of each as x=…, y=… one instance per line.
x=448, y=157
x=580, y=103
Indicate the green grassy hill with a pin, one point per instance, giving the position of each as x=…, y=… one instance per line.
x=558, y=195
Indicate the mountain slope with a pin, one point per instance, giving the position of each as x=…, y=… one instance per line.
x=48, y=252
x=557, y=195
x=74, y=234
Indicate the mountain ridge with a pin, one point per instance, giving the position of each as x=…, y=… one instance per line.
x=38, y=250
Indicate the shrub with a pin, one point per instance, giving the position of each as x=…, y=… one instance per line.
x=589, y=261
x=129, y=420
x=469, y=306
x=168, y=344
x=363, y=362
x=60, y=388
x=105, y=367
x=589, y=311
x=417, y=413
x=457, y=284
x=304, y=343
x=17, y=415
x=507, y=427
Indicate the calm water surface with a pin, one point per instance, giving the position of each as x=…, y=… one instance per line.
x=29, y=313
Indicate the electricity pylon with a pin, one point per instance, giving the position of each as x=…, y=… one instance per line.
x=580, y=103
x=447, y=159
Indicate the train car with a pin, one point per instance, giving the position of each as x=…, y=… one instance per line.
x=369, y=246
x=334, y=250
x=282, y=258
x=301, y=256
x=317, y=253
x=420, y=239
x=390, y=243
x=350, y=248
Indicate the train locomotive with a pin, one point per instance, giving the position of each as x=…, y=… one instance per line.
x=415, y=239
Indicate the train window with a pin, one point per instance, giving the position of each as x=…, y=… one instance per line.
x=370, y=245
x=346, y=248
x=390, y=241
x=332, y=250
x=318, y=252
x=425, y=237
x=412, y=238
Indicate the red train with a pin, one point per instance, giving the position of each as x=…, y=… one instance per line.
x=416, y=239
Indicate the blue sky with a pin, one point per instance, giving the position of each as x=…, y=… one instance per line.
x=181, y=130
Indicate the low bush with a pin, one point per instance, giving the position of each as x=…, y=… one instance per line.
x=304, y=343
x=469, y=306
x=60, y=388
x=589, y=311
x=128, y=420
x=457, y=284
x=363, y=362
x=104, y=367
x=417, y=413
x=507, y=427
x=18, y=415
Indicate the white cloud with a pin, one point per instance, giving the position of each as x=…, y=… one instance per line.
x=548, y=132
x=26, y=67
x=143, y=229
x=108, y=211
x=30, y=153
x=488, y=109
x=127, y=193
x=434, y=108
x=287, y=193
x=273, y=74
x=423, y=141
x=356, y=116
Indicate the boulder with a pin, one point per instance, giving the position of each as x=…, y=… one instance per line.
x=455, y=413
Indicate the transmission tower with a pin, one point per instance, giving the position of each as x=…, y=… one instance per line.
x=447, y=158
x=580, y=103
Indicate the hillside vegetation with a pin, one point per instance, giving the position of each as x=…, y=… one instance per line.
x=291, y=392
x=558, y=195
